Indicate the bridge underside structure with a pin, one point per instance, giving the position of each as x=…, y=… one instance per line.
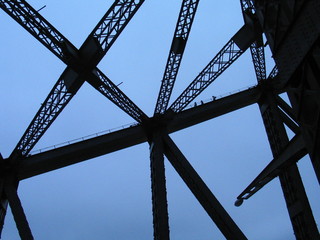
x=290, y=28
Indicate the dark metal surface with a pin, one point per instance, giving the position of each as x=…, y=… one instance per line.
x=74, y=153
x=80, y=63
x=292, y=30
x=298, y=206
x=10, y=189
x=158, y=188
x=180, y=38
x=257, y=47
x=200, y=190
x=227, y=55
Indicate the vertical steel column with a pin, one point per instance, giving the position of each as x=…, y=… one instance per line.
x=200, y=190
x=10, y=188
x=304, y=97
x=158, y=187
x=300, y=213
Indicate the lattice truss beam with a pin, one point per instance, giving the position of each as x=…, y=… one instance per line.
x=81, y=66
x=181, y=34
x=81, y=63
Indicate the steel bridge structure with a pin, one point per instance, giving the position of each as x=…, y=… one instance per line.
x=289, y=28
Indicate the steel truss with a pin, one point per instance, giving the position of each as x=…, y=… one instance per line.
x=299, y=80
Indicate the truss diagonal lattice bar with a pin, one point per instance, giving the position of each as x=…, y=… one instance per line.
x=227, y=55
x=112, y=92
x=258, y=58
x=81, y=62
x=49, y=110
x=114, y=22
x=38, y=26
x=256, y=48
x=183, y=27
x=106, y=32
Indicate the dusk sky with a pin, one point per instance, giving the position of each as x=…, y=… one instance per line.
x=110, y=197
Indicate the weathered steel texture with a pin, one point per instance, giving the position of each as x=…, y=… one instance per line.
x=180, y=38
x=200, y=190
x=304, y=96
x=291, y=28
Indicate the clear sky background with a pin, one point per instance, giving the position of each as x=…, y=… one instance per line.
x=110, y=197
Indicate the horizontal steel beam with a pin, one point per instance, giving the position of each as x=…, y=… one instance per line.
x=74, y=153
x=216, y=108
x=79, y=152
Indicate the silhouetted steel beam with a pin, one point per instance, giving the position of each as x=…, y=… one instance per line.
x=298, y=206
x=215, y=108
x=39, y=27
x=292, y=153
x=97, y=43
x=80, y=64
x=74, y=153
x=200, y=190
x=57, y=99
x=180, y=38
x=256, y=48
x=108, y=29
x=158, y=187
x=227, y=55
x=81, y=151
x=19, y=216
x=297, y=41
x=114, y=94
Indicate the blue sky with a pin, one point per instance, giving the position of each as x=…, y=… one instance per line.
x=109, y=197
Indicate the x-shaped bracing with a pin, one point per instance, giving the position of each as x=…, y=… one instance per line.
x=81, y=66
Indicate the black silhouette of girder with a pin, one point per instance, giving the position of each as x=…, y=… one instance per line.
x=180, y=38
x=81, y=63
x=81, y=66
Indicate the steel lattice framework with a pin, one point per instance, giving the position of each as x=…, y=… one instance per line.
x=291, y=29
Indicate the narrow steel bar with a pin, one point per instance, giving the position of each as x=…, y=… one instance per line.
x=292, y=153
x=286, y=108
x=10, y=189
x=111, y=25
x=200, y=190
x=158, y=187
x=180, y=38
x=227, y=55
x=57, y=99
x=39, y=27
x=256, y=48
x=114, y=94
